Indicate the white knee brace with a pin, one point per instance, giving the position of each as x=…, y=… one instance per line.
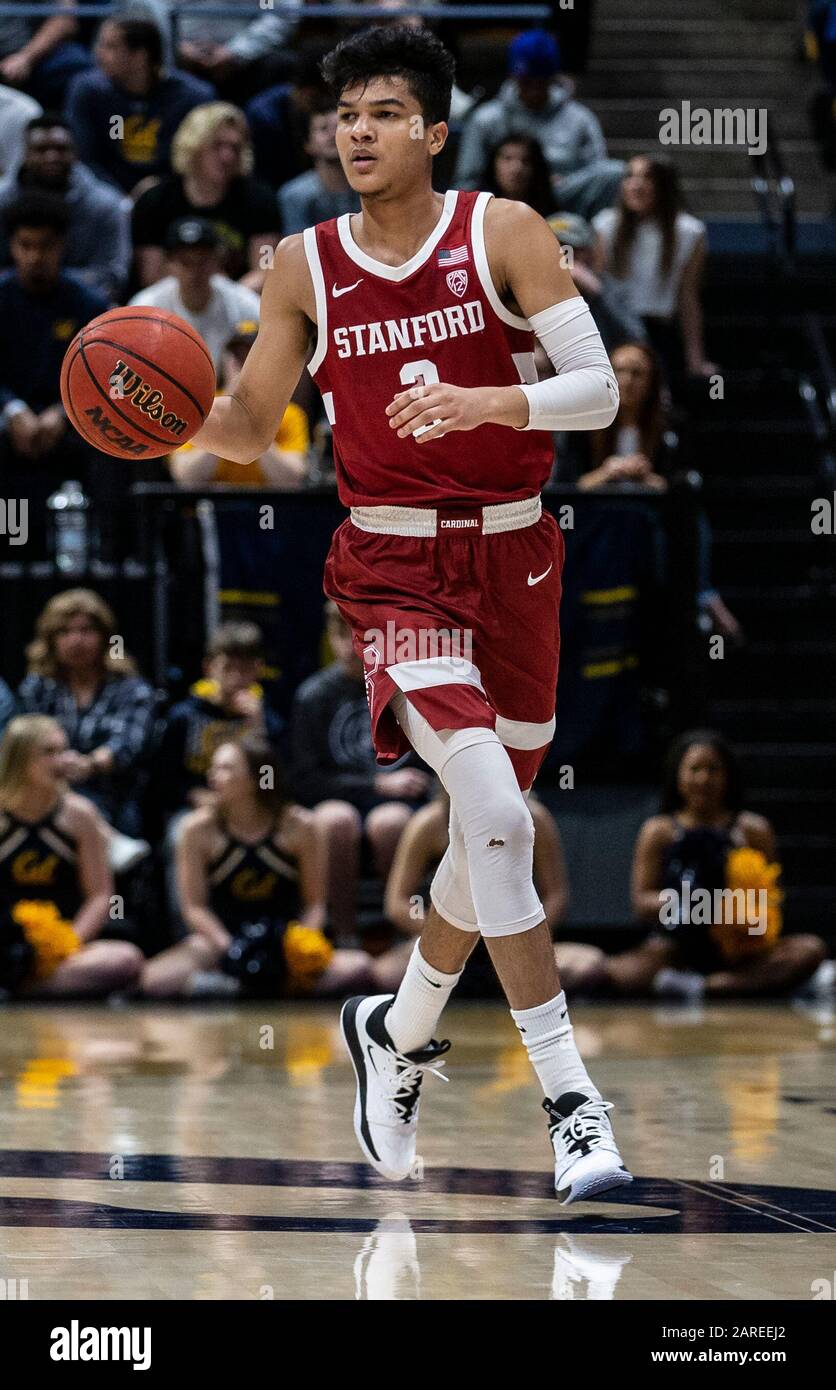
x=484, y=882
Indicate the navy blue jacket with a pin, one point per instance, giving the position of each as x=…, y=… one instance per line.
x=149, y=125
x=44, y=326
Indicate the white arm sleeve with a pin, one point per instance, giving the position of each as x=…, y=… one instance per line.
x=584, y=394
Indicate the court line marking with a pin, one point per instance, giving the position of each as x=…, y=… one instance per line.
x=759, y=1209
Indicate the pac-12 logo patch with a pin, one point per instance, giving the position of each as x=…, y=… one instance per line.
x=372, y=659
x=457, y=281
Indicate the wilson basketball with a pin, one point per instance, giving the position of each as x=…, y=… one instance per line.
x=137, y=382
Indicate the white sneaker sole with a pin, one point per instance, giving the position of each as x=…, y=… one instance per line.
x=351, y=1038
x=593, y=1183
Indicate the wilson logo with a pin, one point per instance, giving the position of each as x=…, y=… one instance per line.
x=128, y=385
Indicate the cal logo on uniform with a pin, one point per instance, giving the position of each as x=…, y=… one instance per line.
x=252, y=887
x=29, y=868
x=139, y=142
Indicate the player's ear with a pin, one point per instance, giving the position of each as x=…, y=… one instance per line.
x=438, y=131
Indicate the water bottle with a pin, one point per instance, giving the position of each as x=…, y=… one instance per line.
x=70, y=536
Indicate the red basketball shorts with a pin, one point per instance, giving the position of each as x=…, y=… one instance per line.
x=462, y=619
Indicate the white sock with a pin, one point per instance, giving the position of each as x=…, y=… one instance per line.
x=418, y=1003
x=550, y=1043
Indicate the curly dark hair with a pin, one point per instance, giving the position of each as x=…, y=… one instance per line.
x=671, y=795
x=37, y=210
x=395, y=50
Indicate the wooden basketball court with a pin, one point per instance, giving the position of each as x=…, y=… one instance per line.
x=204, y=1153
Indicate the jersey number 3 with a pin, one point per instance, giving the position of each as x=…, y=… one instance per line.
x=423, y=373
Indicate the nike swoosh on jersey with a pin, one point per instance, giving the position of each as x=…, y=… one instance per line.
x=345, y=288
x=532, y=580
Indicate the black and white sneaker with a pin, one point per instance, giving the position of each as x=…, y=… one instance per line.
x=388, y=1085
x=586, y=1157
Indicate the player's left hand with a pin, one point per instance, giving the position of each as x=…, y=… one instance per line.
x=440, y=407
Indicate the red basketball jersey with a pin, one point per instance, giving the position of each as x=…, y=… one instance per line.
x=438, y=317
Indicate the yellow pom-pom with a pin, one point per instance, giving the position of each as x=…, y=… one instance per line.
x=307, y=952
x=752, y=919
x=48, y=933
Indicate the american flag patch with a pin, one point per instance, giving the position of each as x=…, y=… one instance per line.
x=457, y=256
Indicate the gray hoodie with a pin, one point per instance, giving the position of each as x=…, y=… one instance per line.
x=569, y=133
x=98, y=244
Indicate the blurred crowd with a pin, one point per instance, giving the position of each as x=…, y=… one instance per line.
x=179, y=848
x=280, y=860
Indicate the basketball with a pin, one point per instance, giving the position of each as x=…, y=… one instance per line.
x=137, y=382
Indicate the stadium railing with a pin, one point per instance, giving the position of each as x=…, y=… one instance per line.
x=774, y=190
x=629, y=591
x=43, y=9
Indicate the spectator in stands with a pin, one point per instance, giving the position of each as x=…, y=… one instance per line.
x=8, y=705
x=42, y=57
x=334, y=770
x=47, y=306
x=97, y=245
x=420, y=850
x=158, y=12
x=638, y=451
x=631, y=451
x=55, y=883
x=516, y=168
x=250, y=873
x=16, y=111
x=532, y=103
x=820, y=43
x=689, y=849
x=607, y=299
x=323, y=191
x=125, y=112
x=212, y=158
x=80, y=675
x=284, y=465
x=821, y=19
x=278, y=119
x=658, y=251
x=226, y=704
x=222, y=310
x=236, y=52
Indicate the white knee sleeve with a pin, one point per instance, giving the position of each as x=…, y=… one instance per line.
x=450, y=889
x=489, y=887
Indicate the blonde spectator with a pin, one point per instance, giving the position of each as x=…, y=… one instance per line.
x=55, y=883
x=212, y=159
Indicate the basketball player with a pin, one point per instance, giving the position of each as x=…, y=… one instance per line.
x=425, y=309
